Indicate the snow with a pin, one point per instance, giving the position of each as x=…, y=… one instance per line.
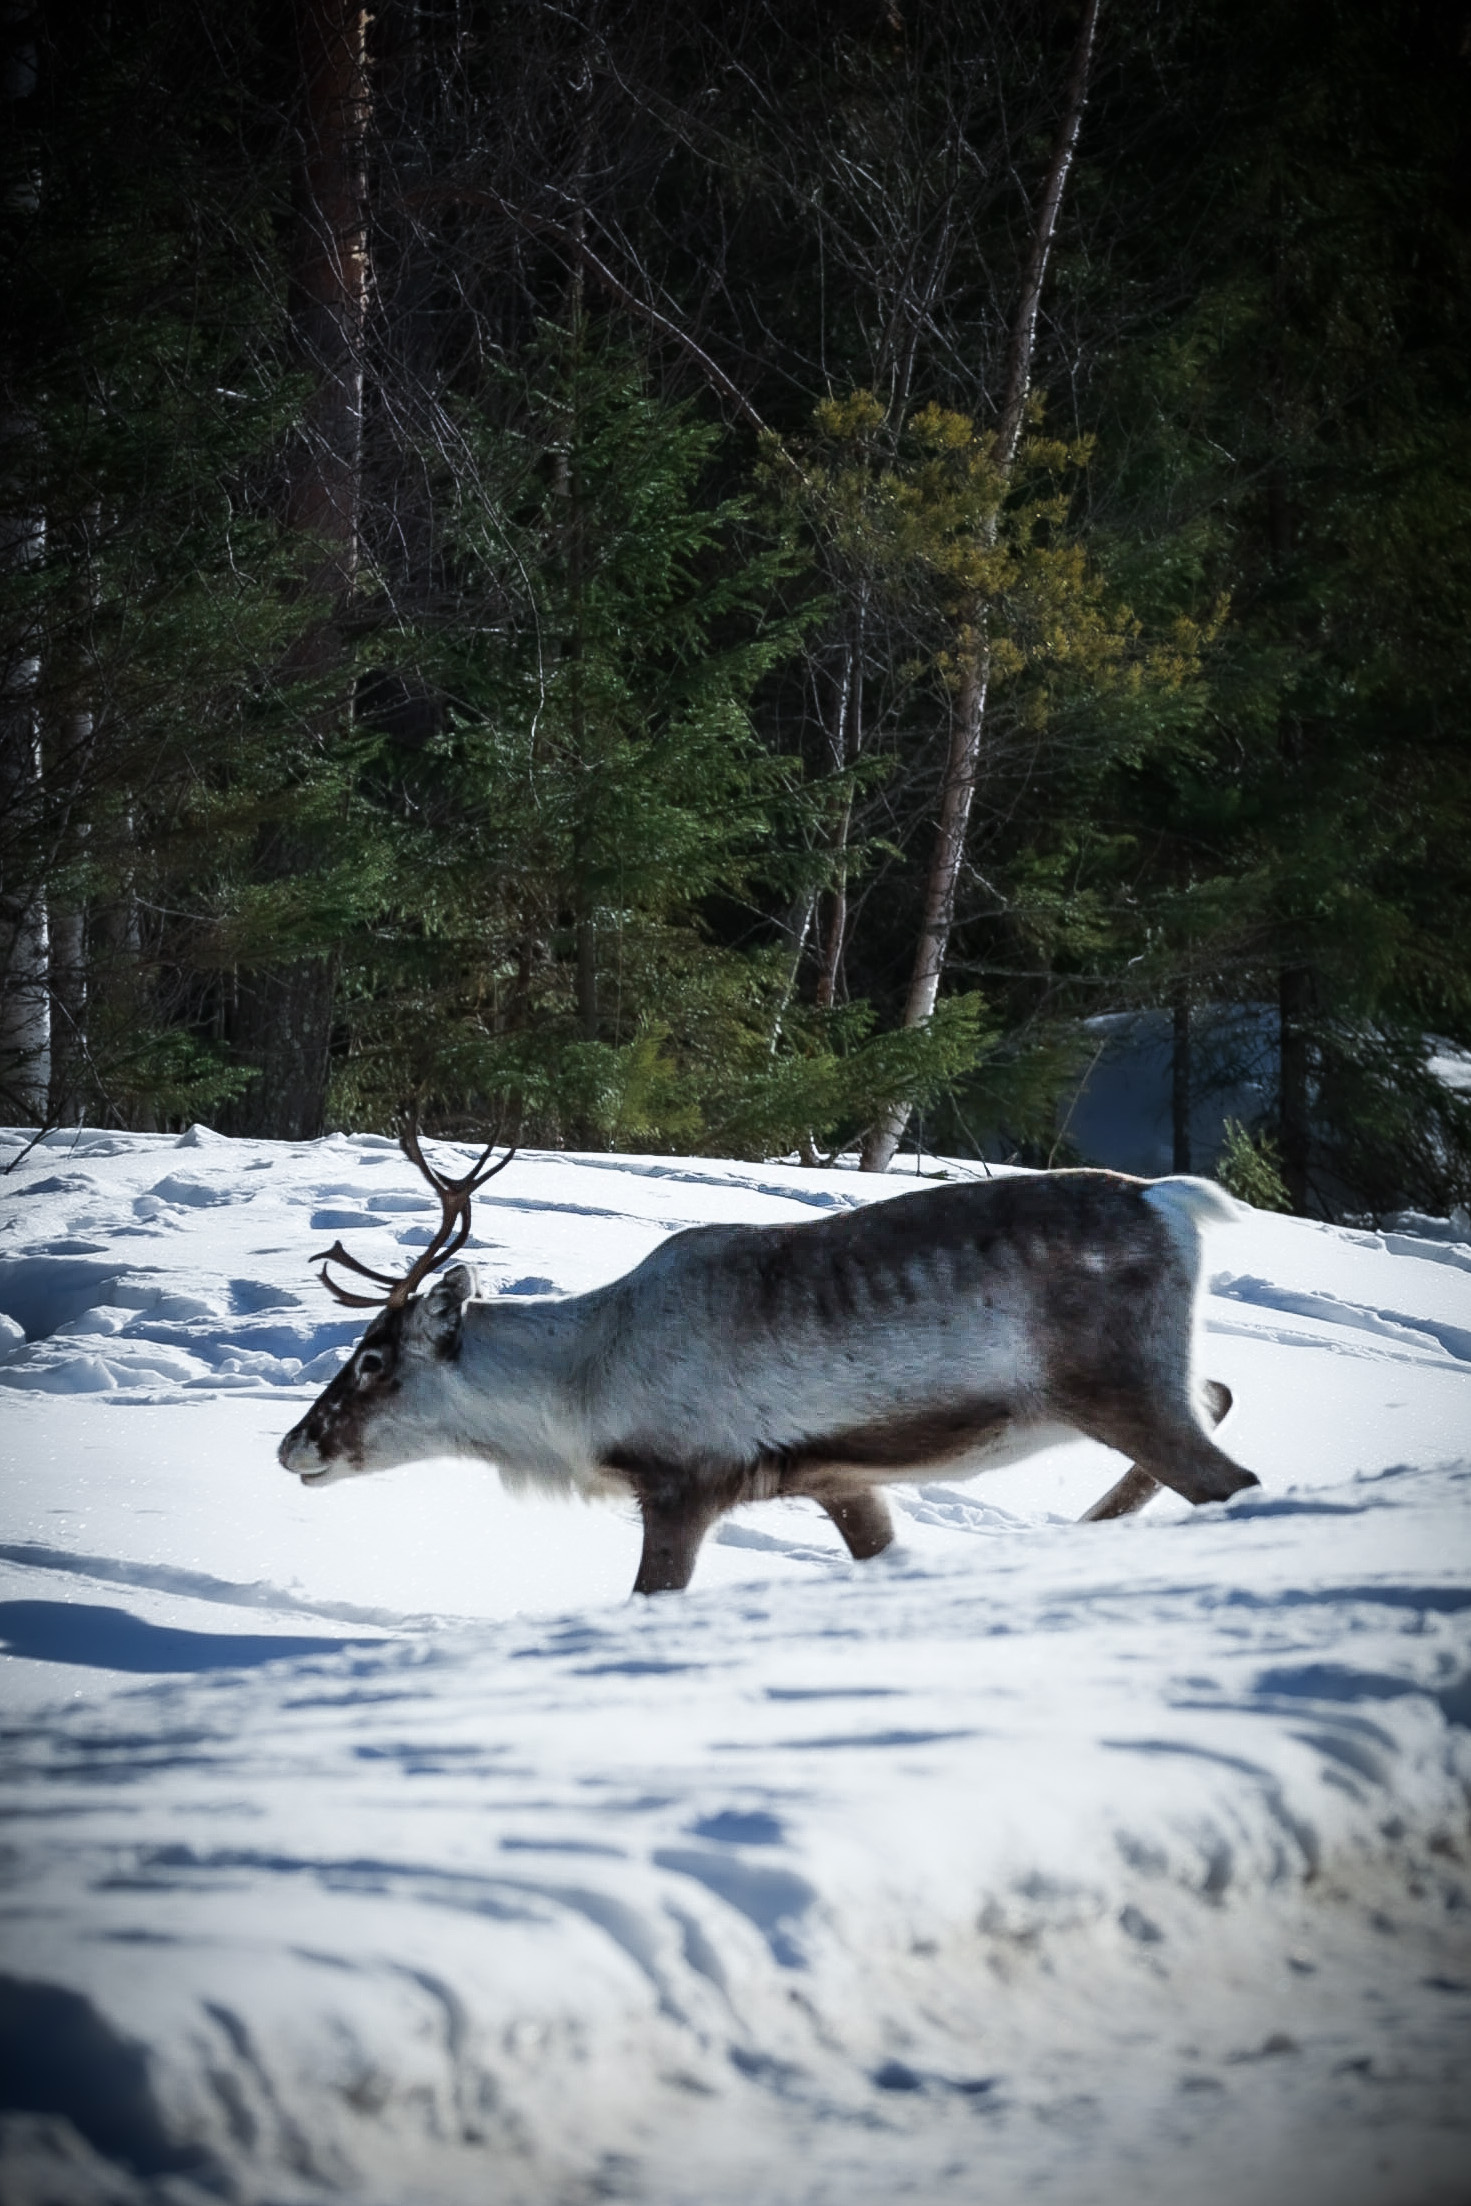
x=372, y=1842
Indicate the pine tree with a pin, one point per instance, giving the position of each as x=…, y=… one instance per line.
x=595, y=778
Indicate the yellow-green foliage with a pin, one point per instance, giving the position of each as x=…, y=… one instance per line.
x=989, y=554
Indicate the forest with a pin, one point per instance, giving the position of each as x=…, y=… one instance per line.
x=645, y=576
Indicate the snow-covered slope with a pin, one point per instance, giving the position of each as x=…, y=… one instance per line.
x=371, y=1843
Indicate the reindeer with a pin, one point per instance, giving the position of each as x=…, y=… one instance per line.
x=959, y=1327
x=949, y=1329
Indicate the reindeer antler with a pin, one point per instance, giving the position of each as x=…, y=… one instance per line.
x=454, y=1228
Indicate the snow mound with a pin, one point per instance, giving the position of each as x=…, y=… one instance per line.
x=517, y=1898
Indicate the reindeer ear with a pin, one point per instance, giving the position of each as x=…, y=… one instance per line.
x=439, y=1313
x=460, y=1283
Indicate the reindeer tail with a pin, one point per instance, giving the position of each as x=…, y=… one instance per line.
x=1201, y=1202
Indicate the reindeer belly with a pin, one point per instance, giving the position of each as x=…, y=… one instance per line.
x=890, y=1393
x=960, y=1444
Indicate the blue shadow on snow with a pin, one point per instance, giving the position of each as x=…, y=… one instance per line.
x=111, y=1639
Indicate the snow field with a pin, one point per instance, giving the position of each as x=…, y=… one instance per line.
x=370, y=1843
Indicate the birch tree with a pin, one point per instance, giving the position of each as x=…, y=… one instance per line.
x=965, y=756
x=25, y=1007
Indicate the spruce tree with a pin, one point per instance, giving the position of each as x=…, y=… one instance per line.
x=1309, y=472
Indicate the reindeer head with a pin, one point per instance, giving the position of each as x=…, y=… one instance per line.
x=386, y=1404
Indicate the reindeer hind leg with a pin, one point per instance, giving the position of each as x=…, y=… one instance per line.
x=1168, y=1447
x=862, y=1516
x=1132, y=1491
x=1138, y=1486
x=1217, y=1398
x=1198, y=1469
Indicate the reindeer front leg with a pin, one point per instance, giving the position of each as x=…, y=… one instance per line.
x=674, y=1526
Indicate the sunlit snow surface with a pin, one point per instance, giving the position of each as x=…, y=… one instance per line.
x=369, y=1843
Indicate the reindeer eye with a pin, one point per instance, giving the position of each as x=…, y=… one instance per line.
x=370, y=1364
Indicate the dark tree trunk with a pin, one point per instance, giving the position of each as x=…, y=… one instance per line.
x=329, y=294
x=286, y=1013
x=587, y=976
x=1181, y=1077
x=1295, y=1006
x=282, y=1023
x=69, y=993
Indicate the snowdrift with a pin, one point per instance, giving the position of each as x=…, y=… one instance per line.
x=370, y=1843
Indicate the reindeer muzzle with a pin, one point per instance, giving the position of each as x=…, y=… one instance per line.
x=299, y=1452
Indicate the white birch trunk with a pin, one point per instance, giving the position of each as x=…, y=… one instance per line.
x=968, y=711
x=25, y=1001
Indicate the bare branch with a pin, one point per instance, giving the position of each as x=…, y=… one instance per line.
x=545, y=226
